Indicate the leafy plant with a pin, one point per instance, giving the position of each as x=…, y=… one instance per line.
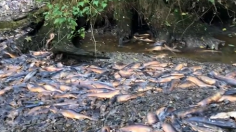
x=66, y=13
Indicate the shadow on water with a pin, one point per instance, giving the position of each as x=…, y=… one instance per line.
x=107, y=43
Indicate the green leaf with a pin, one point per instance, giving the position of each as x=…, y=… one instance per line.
x=224, y=29
x=81, y=3
x=104, y=5
x=230, y=45
x=95, y=2
x=64, y=7
x=212, y=1
x=184, y=14
x=82, y=35
x=28, y=38
x=167, y=24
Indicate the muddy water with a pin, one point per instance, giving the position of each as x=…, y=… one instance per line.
x=109, y=43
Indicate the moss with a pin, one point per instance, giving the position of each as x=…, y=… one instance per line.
x=9, y=25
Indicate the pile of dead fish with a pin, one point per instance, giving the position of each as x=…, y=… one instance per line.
x=32, y=84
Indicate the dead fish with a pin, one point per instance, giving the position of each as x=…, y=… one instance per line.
x=207, y=80
x=33, y=88
x=30, y=75
x=187, y=84
x=136, y=128
x=195, y=68
x=160, y=111
x=182, y=113
x=38, y=53
x=65, y=95
x=136, y=66
x=34, y=104
x=151, y=118
x=67, y=102
x=230, y=92
x=147, y=88
x=155, y=48
x=163, y=112
x=115, y=83
x=51, y=37
x=119, y=66
x=123, y=98
x=6, y=54
x=99, y=84
x=151, y=63
x=4, y=75
x=200, y=127
x=155, y=67
x=128, y=67
x=228, y=80
x=163, y=55
x=227, y=97
x=104, y=95
x=197, y=82
x=224, y=115
x=217, y=122
x=211, y=99
x=231, y=74
x=168, y=127
x=105, y=129
x=96, y=70
x=186, y=71
x=180, y=66
x=147, y=40
x=51, y=88
x=117, y=76
x=35, y=109
x=61, y=74
x=65, y=88
x=173, y=84
x=51, y=68
x=126, y=73
x=4, y=90
x=99, y=90
x=171, y=49
x=145, y=35
x=168, y=79
x=83, y=84
x=73, y=115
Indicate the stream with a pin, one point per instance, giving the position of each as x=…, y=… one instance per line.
x=108, y=43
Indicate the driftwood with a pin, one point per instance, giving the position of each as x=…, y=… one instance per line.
x=69, y=50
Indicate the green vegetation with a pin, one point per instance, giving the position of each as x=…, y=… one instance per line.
x=158, y=13
x=66, y=13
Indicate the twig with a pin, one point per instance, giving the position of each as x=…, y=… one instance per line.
x=93, y=38
x=193, y=22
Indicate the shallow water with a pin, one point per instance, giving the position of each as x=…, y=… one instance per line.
x=107, y=43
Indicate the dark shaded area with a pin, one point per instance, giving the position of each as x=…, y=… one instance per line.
x=217, y=16
x=137, y=24
x=106, y=22
x=81, y=23
x=36, y=26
